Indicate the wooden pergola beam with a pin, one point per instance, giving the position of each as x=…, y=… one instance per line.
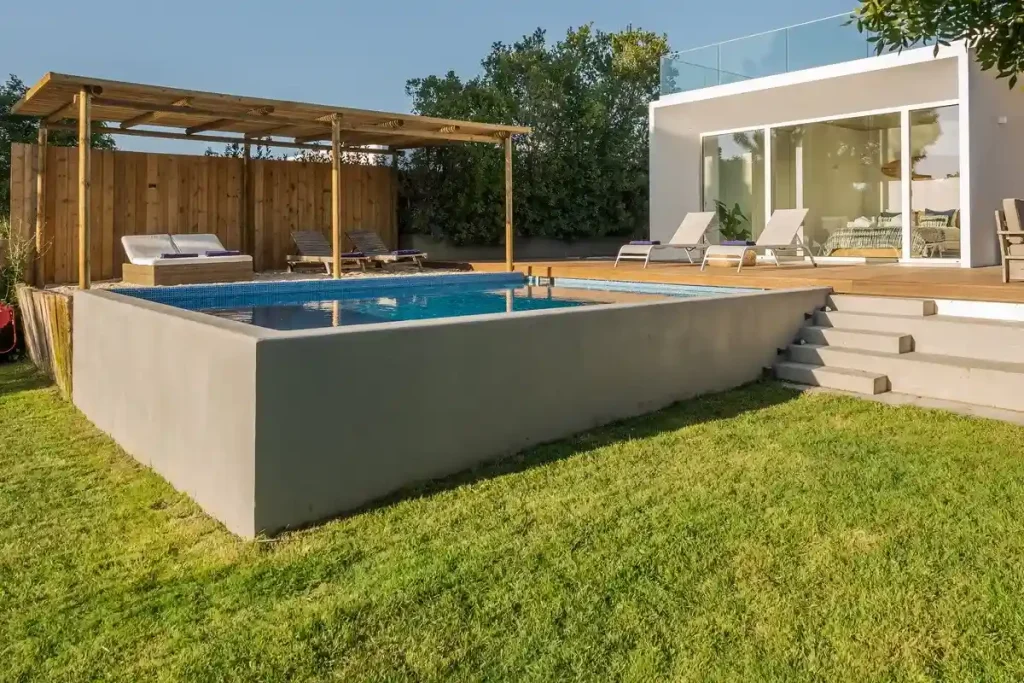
x=509, y=262
x=150, y=116
x=227, y=113
x=336, y=196
x=209, y=125
x=66, y=111
x=84, y=187
x=38, y=237
x=406, y=133
x=227, y=140
x=268, y=131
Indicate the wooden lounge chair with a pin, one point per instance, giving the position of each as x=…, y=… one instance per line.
x=314, y=249
x=160, y=260
x=1010, y=231
x=782, y=233
x=690, y=235
x=370, y=243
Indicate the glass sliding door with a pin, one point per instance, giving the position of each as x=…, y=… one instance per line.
x=733, y=173
x=846, y=173
x=935, y=184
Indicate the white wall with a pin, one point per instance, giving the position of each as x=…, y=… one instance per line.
x=676, y=127
x=996, y=153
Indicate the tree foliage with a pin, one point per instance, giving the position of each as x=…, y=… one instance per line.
x=583, y=171
x=25, y=129
x=993, y=28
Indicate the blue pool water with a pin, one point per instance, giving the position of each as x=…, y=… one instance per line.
x=309, y=304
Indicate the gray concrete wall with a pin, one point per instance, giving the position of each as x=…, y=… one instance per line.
x=176, y=390
x=344, y=417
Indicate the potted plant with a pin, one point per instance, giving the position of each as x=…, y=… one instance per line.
x=734, y=228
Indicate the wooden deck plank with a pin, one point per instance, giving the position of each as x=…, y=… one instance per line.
x=932, y=282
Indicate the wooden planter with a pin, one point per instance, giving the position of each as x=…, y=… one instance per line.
x=749, y=259
x=45, y=319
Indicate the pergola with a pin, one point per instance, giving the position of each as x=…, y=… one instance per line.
x=118, y=108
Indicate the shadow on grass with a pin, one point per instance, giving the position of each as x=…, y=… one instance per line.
x=701, y=409
x=20, y=376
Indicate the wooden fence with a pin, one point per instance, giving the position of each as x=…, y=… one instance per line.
x=46, y=325
x=139, y=193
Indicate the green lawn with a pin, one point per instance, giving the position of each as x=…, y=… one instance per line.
x=754, y=535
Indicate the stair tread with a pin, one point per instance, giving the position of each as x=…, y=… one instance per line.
x=961, y=320
x=942, y=359
x=851, y=330
x=829, y=368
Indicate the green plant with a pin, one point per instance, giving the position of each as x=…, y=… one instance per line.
x=15, y=257
x=993, y=29
x=733, y=224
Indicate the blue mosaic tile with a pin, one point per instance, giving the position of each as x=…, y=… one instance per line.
x=226, y=295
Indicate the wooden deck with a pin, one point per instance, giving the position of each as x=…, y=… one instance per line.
x=932, y=282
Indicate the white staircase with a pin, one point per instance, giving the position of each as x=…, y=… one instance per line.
x=871, y=345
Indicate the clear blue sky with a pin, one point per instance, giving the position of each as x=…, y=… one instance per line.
x=340, y=52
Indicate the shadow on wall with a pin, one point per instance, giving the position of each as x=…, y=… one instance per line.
x=702, y=409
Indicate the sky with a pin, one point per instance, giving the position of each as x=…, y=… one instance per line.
x=340, y=52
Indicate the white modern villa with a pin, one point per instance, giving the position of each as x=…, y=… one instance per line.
x=902, y=156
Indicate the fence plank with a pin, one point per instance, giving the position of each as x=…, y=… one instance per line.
x=139, y=193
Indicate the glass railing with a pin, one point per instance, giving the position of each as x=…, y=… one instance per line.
x=817, y=43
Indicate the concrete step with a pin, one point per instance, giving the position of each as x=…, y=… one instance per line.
x=891, y=342
x=978, y=338
x=882, y=305
x=996, y=384
x=832, y=378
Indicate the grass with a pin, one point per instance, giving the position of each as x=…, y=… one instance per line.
x=754, y=535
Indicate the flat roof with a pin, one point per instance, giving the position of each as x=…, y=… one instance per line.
x=133, y=105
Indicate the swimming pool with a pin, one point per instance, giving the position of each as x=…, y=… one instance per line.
x=269, y=429
x=312, y=304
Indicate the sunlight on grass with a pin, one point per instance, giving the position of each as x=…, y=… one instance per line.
x=753, y=535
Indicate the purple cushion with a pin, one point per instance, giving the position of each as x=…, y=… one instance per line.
x=406, y=252
x=353, y=254
x=179, y=255
x=738, y=243
x=224, y=252
x=644, y=243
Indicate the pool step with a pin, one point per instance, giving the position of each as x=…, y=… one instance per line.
x=857, y=381
x=979, y=338
x=881, y=305
x=869, y=340
x=995, y=384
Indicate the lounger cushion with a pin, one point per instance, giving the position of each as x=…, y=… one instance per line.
x=197, y=244
x=166, y=256
x=223, y=252
x=143, y=249
x=407, y=252
x=192, y=259
x=644, y=243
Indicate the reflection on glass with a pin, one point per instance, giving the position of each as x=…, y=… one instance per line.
x=818, y=43
x=935, y=186
x=734, y=174
x=846, y=173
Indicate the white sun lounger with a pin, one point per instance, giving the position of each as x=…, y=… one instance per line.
x=782, y=233
x=164, y=260
x=690, y=236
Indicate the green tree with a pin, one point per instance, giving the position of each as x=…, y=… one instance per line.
x=582, y=173
x=25, y=129
x=993, y=28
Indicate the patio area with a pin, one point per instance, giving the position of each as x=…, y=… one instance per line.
x=933, y=282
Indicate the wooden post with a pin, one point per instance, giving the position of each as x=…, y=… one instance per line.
x=246, y=207
x=39, y=236
x=336, y=196
x=84, y=186
x=508, y=204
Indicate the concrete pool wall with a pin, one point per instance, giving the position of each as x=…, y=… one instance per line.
x=268, y=430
